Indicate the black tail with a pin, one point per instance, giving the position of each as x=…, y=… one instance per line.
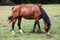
x=45, y=17
x=10, y=18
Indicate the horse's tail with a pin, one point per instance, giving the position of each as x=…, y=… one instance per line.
x=10, y=18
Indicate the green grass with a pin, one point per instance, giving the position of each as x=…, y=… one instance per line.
x=53, y=10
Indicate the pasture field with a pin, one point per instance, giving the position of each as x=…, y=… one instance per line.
x=53, y=10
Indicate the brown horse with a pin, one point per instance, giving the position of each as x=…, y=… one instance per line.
x=29, y=12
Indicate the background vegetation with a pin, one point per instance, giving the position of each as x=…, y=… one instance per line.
x=29, y=1
x=36, y=1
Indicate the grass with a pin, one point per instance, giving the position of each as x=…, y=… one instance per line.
x=53, y=10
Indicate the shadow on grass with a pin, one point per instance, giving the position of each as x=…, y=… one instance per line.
x=31, y=32
x=38, y=32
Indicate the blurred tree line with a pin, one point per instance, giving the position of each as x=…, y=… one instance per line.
x=36, y=1
x=31, y=1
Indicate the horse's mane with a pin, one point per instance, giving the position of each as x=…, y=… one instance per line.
x=45, y=17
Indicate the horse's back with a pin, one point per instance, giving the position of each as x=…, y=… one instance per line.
x=30, y=11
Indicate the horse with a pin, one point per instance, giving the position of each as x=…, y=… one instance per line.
x=34, y=12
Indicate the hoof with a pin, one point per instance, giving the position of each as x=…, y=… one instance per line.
x=48, y=35
x=13, y=33
x=33, y=31
x=21, y=32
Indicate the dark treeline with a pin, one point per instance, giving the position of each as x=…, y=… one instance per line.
x=31, y=1
x=36, y=1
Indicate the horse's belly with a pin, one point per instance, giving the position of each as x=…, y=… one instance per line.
x=27, y=14
x=28, y=17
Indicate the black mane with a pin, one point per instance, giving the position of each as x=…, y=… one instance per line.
x=45, y=17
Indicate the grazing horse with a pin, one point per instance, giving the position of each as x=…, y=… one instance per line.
x=34, y=12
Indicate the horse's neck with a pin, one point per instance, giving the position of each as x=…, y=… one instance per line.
x=47, y=20
x=45, y=17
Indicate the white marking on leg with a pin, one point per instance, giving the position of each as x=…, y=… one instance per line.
x=13, y=32
x=21, y=31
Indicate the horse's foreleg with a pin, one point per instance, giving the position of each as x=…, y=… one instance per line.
x=19, y=23
x=13, y=23
x=37, y=22
x=39, y=27
x=34, y=27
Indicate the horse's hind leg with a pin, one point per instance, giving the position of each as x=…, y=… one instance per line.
x=19, y=23
x=13, y=23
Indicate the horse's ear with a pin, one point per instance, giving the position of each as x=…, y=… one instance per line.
x=12, y=8
x=40, y=4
